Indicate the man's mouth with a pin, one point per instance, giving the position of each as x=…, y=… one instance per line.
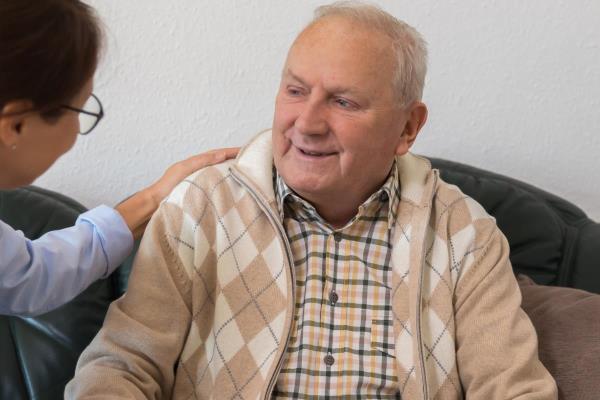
x=313, y=153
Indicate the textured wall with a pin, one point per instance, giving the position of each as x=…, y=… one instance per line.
x=514, y=87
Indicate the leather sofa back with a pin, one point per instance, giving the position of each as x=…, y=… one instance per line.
x=551, y=240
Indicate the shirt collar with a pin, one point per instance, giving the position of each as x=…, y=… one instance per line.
x=389, y=191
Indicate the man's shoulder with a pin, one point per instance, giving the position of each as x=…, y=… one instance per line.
x=211, y=175
x=461, y=222
x=449, y=199
x=201, y=185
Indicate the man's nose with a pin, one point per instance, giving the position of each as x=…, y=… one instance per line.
x=312, y=119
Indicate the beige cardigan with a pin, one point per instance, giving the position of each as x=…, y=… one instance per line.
x=210, y=301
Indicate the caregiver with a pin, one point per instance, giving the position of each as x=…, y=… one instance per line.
x=49, y=51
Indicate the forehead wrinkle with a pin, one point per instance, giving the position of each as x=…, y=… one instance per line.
x=288, y=72
x=335, y=89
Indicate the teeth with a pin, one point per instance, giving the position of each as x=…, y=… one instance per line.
x=312, y=153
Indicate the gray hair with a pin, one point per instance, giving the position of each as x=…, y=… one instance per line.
x=408, y=44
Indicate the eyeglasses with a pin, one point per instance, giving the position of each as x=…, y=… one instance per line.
x=89, y=116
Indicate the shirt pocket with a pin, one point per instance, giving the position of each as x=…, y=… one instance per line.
x=382, y=337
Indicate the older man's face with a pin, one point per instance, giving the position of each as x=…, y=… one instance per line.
x=337, y=124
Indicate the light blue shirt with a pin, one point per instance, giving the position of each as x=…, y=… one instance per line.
x=37, y=276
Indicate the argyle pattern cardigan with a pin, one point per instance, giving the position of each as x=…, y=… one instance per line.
x=209, y=307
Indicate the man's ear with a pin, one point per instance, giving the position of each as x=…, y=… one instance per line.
x=12, y=118
x=416, y=118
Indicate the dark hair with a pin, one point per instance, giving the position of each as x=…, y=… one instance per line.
x=48, y=51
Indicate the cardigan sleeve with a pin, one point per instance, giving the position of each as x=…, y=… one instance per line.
x=496, y=342
x=135, y=353
x=37, y=276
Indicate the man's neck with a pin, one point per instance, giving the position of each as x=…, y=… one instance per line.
x=337, y=209
x=339, y=215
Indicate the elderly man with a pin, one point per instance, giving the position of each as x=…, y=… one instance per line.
x=326, y=261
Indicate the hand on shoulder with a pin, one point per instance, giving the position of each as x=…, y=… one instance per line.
x=137, y=209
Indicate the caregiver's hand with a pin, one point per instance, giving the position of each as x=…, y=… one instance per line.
x=137, y=209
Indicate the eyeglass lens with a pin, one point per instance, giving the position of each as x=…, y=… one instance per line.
x=88, y=122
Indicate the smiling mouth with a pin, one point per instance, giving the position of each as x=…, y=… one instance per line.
x=315, y=153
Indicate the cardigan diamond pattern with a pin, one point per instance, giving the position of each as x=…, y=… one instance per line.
x=248, y=304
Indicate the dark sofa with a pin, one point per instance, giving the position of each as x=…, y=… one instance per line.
x=552, y=241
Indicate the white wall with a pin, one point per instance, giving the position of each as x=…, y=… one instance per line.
x=514, y=87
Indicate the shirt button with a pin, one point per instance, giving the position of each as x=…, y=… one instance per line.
x=333, y=297
x=329, y=360
x=337, y=236
x=383, y=196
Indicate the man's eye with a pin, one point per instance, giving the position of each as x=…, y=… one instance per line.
x=344, y=103
x=292, y=91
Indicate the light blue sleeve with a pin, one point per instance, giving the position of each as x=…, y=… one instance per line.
x=37, y=276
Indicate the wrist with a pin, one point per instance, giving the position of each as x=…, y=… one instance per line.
x=137, y=210
x=151, y=197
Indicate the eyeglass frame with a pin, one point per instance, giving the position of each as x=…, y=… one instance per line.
x=98, y=115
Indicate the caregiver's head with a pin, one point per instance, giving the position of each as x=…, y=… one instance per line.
x=49, y=51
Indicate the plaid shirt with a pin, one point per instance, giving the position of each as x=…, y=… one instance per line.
x=342, y=341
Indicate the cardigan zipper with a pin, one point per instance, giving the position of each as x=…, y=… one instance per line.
x=425, y=387
x=275, y=222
